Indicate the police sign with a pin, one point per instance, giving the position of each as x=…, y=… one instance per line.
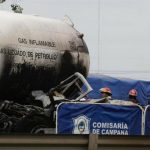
x=105, y=119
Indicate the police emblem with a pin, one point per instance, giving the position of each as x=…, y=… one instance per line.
x=81, y=125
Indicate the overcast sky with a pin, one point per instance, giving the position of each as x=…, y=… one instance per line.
x=117, y=32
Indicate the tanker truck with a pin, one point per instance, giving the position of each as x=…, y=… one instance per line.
x=35, y=54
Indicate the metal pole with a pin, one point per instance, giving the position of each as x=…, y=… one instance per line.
x=93, y=142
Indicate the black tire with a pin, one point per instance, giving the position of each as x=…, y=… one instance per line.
x=33, y=125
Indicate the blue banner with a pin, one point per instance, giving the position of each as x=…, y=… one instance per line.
x=147, y=120
x=105, y=119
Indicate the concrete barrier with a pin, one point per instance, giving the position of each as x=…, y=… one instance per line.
x=73, y=142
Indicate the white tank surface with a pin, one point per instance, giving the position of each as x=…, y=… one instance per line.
x=37, y=53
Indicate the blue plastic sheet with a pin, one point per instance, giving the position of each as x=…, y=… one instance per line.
x=105, y=119
x=120, y=87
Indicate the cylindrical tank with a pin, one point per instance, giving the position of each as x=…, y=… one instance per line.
x=37, y=53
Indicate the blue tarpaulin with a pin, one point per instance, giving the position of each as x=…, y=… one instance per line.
x=105, y=119
x=120, y=87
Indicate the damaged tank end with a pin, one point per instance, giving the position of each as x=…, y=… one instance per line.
x=36, y=54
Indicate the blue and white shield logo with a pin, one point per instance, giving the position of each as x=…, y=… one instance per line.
x=81, y=125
